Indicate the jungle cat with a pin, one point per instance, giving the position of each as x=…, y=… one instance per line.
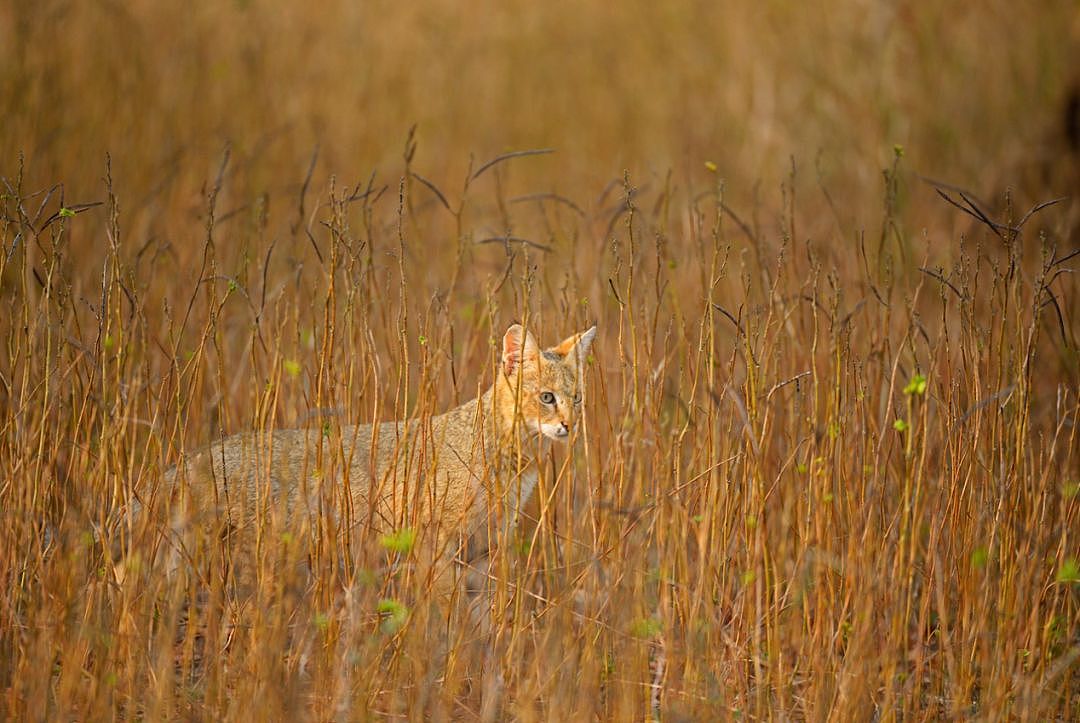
x=458, y=479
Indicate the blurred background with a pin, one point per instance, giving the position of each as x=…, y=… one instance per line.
x=975, y=95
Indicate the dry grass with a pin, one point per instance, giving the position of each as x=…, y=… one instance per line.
x=829, y=462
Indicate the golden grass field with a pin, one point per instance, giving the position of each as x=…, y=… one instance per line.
x=829, y=467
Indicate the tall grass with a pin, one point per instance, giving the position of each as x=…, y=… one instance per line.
x=828, y=461
x=809, y=483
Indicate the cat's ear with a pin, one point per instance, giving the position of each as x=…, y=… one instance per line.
x=519, y=347
x=576, y=347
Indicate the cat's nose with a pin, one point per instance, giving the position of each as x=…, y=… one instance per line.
x=563, y=430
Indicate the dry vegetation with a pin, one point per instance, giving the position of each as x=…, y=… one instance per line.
x=829, y=465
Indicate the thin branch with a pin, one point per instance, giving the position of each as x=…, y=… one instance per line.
x=950, y=187
x=977, y=214
x=514, y=240
x=1062, y=260
x=1036, y=208
x=853, y=312
x=611, y=283
x=734, y=321
x=431, y=187
x=784, y=383
x=508, y=156
x=1061, y=319
x=983, y=402
x=743, y=226
x=304, y=186
x=74, y=209
x=937, y=275
x=549, y=197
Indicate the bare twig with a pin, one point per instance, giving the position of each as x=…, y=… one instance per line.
x=983, y=402
x=507, y=156
x=784, y=383
x=938, y=275
x=549, y=197
x=1036, y=208
x=514, y=240
x=74, y=210
x=431, y=187
x=611, y=283
x=974, y=211
x=736, y=322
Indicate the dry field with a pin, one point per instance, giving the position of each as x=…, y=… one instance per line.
x=829, y=466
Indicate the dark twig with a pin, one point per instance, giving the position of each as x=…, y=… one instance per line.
x=983, y=402
x=431, y=187
x=358, y=195
x=733, y=320
x=1063, y=259
x=1036, y=208
x=508, y=156
x=940, y=277
x=975, y=212
x=514, y=240
x=611, y=283
x=743, y=226
x=853, y=312
x=74, y=210
x=941, y=185
x=1060, y=318
x=784, y=383
x=549, y=197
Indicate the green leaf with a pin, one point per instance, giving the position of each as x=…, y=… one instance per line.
x=394, y=615
x=292, y=368
x=1069, y=571
x=66, y=213
x=900, y=425
x=645, y=628
x=400, y=541
x=917, y=385
x=979, y=556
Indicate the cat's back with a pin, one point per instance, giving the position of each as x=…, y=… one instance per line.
x=395, y=469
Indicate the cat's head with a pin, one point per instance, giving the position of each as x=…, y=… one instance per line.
x=546, y=384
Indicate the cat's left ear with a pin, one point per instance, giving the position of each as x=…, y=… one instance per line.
x=576, y=347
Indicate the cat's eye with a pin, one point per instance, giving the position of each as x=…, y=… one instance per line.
x=577, y=398
x=547, y=397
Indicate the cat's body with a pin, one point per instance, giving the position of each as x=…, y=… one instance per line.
x=459, y=478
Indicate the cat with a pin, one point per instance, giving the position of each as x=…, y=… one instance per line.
x=459, y=479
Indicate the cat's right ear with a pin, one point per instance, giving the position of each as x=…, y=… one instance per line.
x=519, y=346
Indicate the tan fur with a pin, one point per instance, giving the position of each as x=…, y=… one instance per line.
x=458, y=478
